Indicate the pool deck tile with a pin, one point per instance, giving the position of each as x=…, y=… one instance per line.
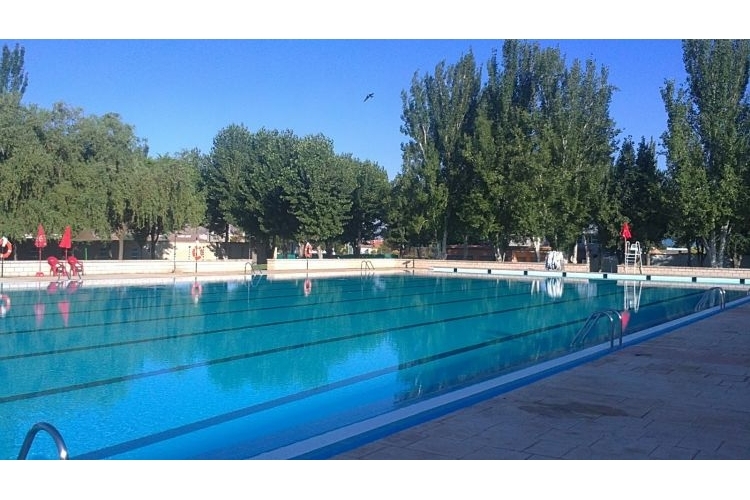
x=683, y=395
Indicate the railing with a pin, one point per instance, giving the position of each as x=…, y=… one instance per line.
x=709, y=296
x=366, y=265
x=50, y=429
x=255, y=274
x=591, y=322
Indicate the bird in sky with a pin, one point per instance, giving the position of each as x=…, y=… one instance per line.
x=369, y=96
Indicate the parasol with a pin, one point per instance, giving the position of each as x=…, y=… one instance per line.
x=66, y=242
x=625, y=233
x=40, y=242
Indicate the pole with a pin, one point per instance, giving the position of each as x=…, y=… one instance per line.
x=174, y=255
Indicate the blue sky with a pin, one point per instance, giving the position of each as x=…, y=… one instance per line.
x=180, y=76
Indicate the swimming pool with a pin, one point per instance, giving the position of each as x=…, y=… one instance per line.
x=245, y=368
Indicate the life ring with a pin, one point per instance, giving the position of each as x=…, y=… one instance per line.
x=198, y=253
x=308, y=250
x=4, y=305
x=8, y=247
x=307, y=287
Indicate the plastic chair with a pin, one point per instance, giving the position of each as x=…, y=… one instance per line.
x=57, y=268
x=76, y=267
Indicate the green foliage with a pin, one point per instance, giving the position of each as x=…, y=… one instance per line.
x=13, y=78
x=708, y=144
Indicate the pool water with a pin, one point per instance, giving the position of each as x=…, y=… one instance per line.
x=237, y=368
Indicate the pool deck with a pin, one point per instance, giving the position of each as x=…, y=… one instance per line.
x=679, y=396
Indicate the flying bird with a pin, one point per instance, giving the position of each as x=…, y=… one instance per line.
x=369, y=96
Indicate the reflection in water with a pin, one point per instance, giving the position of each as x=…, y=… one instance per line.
x=554, y=287
x=632, y=294
x=196, y=291
x=4, y=305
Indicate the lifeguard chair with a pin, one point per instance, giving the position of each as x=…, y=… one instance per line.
x=633, y=256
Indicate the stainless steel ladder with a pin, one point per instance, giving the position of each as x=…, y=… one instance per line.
x=593, y=320
x=62, y=449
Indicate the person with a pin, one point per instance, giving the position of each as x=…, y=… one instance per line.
x=308, y=250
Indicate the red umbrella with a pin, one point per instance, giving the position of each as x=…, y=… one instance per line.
x=40, y=242
x=625, y=231
x=66, y=241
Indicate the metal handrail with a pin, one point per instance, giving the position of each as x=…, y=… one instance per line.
x=366, y=265
x=591, y=321
x=254, y=273
x=708, y=294
x=62, y=449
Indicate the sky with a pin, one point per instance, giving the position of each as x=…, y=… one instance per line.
x=179, y=78
x=178, y=94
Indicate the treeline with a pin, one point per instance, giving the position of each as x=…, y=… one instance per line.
x=521, y=148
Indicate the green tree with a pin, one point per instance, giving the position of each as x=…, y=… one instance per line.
x=437, y=115
x=639, y=193
x=707, y=142
x=165, y=196
x=13, y=78
x=319, y=194
x=369, y=200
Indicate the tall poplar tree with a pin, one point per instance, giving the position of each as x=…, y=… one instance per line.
x=707, y=142
x=13, y=78
x=438, y=113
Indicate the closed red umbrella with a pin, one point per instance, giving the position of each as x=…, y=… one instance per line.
x=40, y=242
x=625, y=231
x=66, y=242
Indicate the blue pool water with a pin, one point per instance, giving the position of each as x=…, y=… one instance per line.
x=237, y=369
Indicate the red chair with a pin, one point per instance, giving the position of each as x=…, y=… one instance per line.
x=76, y=268
x=57, y=268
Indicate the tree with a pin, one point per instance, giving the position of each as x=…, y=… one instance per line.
x=707, y=142
x=13, y=78
x=164, y=196
x=639, y=193
x=437, y=115
x=319, y=191
x=369, y=200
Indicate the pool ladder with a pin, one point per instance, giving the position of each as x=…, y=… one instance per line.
x=62, y=449
x=367, y=266
x=614, y=327
x=708, y=299
x=254, y=273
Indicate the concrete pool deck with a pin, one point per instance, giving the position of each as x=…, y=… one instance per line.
x=682, y=395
